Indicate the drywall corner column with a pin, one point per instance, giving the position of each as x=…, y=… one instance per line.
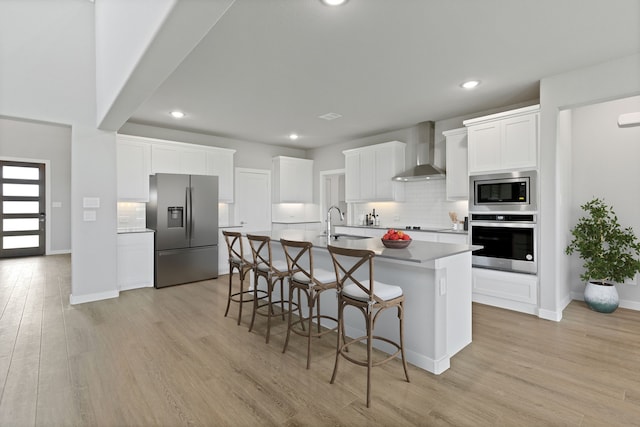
x=605, y=81
x=93, y=215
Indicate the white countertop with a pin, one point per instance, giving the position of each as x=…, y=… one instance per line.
x=417, y=251
x=427, y=229
x=134, y=230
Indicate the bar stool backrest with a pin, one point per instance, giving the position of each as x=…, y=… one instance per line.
x=349, y=263
x=297, y=262
x=235, y=246
x=261, y=250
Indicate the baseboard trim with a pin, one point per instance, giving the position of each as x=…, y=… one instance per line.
x=554, y=316
x=99, y=296
x=59, y=252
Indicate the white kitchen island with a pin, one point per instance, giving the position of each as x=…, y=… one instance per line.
x=436, y=281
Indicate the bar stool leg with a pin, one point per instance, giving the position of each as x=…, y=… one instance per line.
x=229, y=294
x=339, y=341
x=255, y=300
x=241, y=277
x=286, y=341
x=369, y=354
x=310, y=303
x=404, y=359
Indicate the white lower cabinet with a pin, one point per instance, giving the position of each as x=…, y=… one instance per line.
x=457, y=238
x=513, y=291
x=223, y=253
x=307, y=226
x=135, y=260
x=423, y=236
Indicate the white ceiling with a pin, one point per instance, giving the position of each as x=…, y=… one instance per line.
x=271, y=67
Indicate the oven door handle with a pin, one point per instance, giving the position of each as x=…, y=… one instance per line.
x=499, y=224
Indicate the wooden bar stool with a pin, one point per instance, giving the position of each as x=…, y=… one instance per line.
x=371, y=298
x=272, y=272
x=242, y=266
x=304, y=278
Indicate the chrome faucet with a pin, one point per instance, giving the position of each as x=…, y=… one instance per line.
x=329, y=218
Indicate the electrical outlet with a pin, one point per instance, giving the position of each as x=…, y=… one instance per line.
x=396, y=217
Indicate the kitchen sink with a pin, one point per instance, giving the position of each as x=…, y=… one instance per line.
x=341, y=236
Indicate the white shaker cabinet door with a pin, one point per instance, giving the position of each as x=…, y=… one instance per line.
x=165, y=159
x=457, y=170
x=220, y=164
x=135, y=260
x=133, y=168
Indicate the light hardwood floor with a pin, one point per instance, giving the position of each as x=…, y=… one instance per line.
x=169, y=357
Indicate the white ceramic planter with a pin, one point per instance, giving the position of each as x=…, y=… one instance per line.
x=601, y=298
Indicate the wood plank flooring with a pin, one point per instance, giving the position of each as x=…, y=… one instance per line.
x=169, y=357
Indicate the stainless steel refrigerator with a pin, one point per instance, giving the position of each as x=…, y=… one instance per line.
x=183, y=211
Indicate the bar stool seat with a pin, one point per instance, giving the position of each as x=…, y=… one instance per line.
x=371, y=298
x=272, y=272
x=383, y=291
x=311, y=281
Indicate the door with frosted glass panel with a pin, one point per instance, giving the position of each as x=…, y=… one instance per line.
x=22, y=209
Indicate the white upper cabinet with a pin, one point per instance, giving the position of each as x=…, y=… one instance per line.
x=220, y=164
x=292, y=180
x=169, y=157
x=457, y=170
x=504, y=141
x=133, y=169
x=368, y=172
x=139, y=157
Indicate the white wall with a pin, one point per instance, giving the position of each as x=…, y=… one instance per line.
x=124, y=31
x=605, y=165
x=25, y=139
x=48, y=74
x=601, y=82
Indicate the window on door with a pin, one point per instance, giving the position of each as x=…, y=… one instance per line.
x=22, y=209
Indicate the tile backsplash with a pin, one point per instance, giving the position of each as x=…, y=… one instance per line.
x=132, y=215
x=425, y=205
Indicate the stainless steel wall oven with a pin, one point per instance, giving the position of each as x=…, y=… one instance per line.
x=509, y=241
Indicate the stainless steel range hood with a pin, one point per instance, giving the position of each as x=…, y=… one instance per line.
x=425, y=169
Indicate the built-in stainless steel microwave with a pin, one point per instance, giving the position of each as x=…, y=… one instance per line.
x=512, y=191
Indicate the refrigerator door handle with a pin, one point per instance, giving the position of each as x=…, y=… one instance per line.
x=187, y=217
x=190, y=189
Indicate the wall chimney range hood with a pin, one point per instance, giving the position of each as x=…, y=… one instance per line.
x=425, y=169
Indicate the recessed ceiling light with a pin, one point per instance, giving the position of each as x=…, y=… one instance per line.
x=330, y=116
x=177, y=114
x=334, y=2
x=293, y=136
x=470, y=84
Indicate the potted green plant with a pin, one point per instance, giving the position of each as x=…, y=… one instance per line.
x=610, y=254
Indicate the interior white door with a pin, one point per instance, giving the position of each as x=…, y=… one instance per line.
x=332, y=187
x=253, y=199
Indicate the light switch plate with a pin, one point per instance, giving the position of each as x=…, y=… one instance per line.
x=91, y=202
x=89, y=216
